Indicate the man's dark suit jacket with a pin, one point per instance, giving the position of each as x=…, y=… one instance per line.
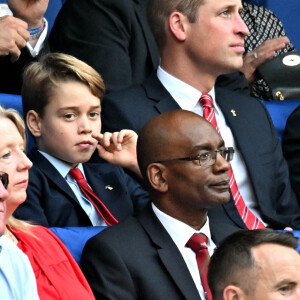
x=52, y=203
x=113, y=36
x=254, y=133
x=291, y=148
x=137, y=259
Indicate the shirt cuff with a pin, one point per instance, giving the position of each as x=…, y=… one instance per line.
x=40, y=42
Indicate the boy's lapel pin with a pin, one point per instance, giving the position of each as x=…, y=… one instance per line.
x=233, y=112
x=108, y=187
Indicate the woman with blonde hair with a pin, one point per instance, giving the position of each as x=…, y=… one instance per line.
x=57, y=274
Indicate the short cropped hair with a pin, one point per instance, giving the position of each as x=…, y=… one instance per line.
x=159, y=11
x=41, y=78
x=232, y=261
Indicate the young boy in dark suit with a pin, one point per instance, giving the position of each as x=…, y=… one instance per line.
x=62, y=104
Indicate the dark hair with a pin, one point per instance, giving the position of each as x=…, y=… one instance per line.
x=233, y=261
x=41, y=78
x=160, y=10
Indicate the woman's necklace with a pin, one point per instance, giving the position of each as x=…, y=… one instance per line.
x=11, y=236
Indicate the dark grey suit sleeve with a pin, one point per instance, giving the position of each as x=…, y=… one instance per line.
x=108, y=36
x=291, y=149
x=106, y=272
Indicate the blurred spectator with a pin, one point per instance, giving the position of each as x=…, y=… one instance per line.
x=21, y=41
x=256, y=265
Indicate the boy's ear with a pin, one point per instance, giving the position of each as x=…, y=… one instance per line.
x=156, y=177
x=33, y=123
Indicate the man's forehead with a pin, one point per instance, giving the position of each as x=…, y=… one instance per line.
x=223, y=3
x=269, y=254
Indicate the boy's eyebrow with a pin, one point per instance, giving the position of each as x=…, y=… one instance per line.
x=76, y=108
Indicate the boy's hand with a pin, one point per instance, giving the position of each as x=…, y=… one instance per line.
x=119, y=148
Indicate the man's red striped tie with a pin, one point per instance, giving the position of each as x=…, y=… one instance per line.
x=250, y=220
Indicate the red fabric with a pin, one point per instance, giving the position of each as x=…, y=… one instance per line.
x=88, y=192
x=198, y=243
x=250, y=220
x=57, y=274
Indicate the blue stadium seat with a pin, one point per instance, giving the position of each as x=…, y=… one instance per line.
x=75, y=238
x=288, y=12
x=280, y=111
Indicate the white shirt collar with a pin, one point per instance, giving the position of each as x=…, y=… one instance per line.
x=179, y=231
x=184, y=94
x=40, y=42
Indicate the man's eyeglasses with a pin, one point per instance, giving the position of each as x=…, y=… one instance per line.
x=208, y=158
x=4, y=179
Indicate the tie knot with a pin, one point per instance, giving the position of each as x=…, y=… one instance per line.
x=197, y=242
x=206, y=100
x=76, y=174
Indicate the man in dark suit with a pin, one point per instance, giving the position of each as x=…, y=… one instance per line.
x=291, y=148
x=62, y=102
x=149, y=257
x=196, y=47
x=112, y=36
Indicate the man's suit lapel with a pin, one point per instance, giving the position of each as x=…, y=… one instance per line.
x=140, y=10
x=245, y=128
x=52, y=174
x=237, y=118
x=156, y=92
x=169, y=254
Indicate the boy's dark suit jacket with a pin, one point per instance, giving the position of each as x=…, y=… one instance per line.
x=254, y=133
x=51, y=202
x=137, y=259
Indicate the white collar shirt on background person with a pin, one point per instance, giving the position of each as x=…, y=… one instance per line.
x=187, y=98
x=86, y=205
x=34, y=51
x=180, y=234
x=17, y=280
